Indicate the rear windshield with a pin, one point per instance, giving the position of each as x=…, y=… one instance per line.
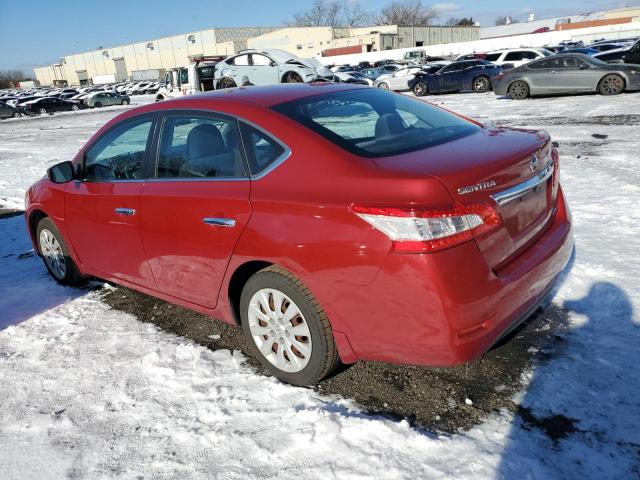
x=375, y=122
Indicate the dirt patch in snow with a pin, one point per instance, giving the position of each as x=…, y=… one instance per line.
x=438, y=399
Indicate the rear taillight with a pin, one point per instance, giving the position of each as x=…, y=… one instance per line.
x=414, y=230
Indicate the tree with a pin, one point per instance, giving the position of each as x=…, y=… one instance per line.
x=407, y=12
x=354, y=15
x=10, y=78
x=332, y=13
x=502, y=20
x=456, y=22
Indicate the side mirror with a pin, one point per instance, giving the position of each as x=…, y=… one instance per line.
x=273, y=64
x=61, y=172
x=584, y=67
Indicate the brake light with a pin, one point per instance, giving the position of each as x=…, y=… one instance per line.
x=414, y=230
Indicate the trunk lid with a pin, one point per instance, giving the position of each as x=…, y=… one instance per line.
x=494, y=166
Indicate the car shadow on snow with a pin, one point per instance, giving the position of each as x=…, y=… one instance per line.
x=26, y=288
x=579, y=415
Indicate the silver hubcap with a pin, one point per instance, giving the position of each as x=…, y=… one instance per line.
x=385, y=86
x=518, y=90
x=481, y=84
x=612, y=85
x=52, y=254
x=279, y=330
x=420, y=89
x=42, y=111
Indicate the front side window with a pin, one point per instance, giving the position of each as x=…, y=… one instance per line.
x=260, y=60
x=193, y=146
x=376, y=123
x=492, y=57
x=261, y=149
x=119, y=154
x=242, y=60
x=514, y=56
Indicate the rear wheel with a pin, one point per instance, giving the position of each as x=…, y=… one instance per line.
x=420, y=89
x=611, y=85
x=227, y=83
x=125, y=102
x=292, y=77
x=55, y=254
x=14, y=114
x=74, y=107
x=481, y=84
x=518, y=90
x=286, y=328
x=43, y=111
x=384, y=86
x=97, y=105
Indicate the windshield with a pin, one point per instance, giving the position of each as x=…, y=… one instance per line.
x=376, y=123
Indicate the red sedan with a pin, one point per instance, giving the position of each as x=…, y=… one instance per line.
x=330, y=222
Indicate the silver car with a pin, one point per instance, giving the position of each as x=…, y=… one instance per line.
x=398, y=80
x=104, y=99
x=265, y=67
x=567, y=73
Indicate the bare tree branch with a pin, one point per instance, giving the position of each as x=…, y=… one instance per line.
x=407, y=12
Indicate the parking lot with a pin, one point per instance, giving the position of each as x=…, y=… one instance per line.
x=113, y=377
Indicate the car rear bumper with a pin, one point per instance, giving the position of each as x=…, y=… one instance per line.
x=449, y=308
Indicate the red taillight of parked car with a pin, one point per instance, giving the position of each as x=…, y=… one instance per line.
x=414, y=230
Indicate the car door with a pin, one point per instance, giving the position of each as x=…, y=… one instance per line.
x=264, y=71
x=103, y=208
x=578, y=76
x=241, y=69
x=196, y=206
x=544, y=76
x=398, y=80
x=447, y=77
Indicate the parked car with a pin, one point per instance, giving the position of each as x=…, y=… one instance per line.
x=46, y=105
x=341, y=259
x=471, y=56
x=614, y=56
x=473, y=75
x=567, y=73
x=633, y=56
x=516, y=57
x=605, y=47
x=584, y=50
x=264, y=67
x=353, y=77
x=7, y=111
x=104, y=99
x=315, y=259
x=398, y=80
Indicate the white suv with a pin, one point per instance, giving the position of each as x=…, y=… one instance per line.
x=516, y=57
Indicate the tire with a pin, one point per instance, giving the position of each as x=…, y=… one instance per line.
x=383, y=85
x=518, y=90
x=159, y=98
x=15, y=114
x=420, y=89
x=74, y=107
x=227, y=83
x=42, y=111
x=55, y=254
x=611, y=85
x=481, y=84
x=97, y=105
x=292, y=77
x=308, y=328
x=124, y=102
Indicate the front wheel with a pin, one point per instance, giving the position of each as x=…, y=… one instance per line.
x=518, y=90
x=15, y=114
x=55, y=254
x=227, y=83
x=74, y=107
x=43, y=111
x=384, y=86
x=611, y=85
x=286, y=328
x=124, y=102
x=420, y=89
x=97, y=105
x=292, y=77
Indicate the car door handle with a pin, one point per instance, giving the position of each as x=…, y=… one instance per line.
x=125, y=211
x=219, y=222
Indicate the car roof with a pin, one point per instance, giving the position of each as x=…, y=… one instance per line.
x=267, y=96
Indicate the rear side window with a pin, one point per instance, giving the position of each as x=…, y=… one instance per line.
x=194, y=146
x=119, y=154
x=514, y=56
x=262, y=150
x=376, y=123
x=492, y=57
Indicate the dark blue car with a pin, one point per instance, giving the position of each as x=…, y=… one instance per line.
x=473, y=75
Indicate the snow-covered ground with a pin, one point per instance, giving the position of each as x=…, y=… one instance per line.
x=89, y=392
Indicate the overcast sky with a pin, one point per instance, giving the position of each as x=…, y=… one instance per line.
x=38, y=32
